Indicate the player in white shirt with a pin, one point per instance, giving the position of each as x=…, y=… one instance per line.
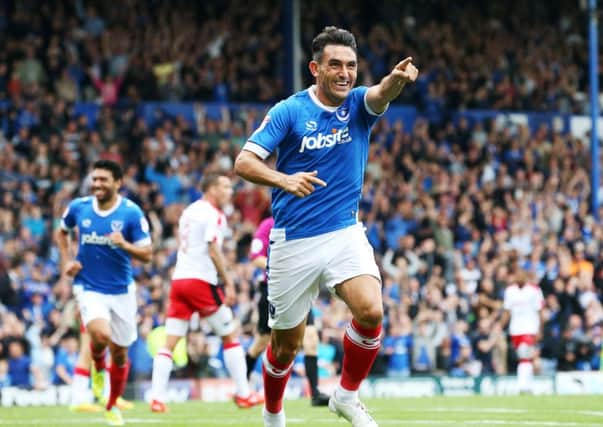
x=195, y=288
x=523, y=304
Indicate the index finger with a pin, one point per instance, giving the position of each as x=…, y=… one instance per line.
x=404, y=62
x=317, y=180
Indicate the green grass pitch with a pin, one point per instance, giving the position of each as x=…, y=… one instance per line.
x=516, y=411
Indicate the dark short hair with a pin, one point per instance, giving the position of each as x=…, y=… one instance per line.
x=111, y=166
x=334, y=36
x=209, y=180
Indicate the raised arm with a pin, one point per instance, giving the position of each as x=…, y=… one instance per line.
x=389, y=88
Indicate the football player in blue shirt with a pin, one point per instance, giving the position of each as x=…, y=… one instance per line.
x=111, y=231
x=321, y=139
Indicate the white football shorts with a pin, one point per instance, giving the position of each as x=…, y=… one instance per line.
x=119, y=310
x=297, y=268
x=78, y=292
x=222, y=323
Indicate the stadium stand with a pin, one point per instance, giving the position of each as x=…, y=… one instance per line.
x=449, y=203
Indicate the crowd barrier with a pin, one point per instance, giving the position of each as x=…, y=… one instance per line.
x=221, y=389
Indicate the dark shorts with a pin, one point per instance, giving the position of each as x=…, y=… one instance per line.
x=263, y=328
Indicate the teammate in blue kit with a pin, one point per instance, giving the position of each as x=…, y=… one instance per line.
x=321, y=138
x=111, y=231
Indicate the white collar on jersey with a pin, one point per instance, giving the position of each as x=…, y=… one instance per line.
x=313, y=97
x=107, y=212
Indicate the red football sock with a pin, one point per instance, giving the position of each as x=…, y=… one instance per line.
x=118, y=376
x=275, y=376
x=81, y=371
x=99, y=358
x=360, y=347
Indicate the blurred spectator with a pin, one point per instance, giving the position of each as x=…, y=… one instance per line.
x=427, y=336
x=19, y=365
x=4, y=374
x=485, y=342
x=398, y=345
x=327, y=367
x=138, y=353
x=66, y=359
x=8, y=290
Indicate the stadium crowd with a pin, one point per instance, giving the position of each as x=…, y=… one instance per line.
x=449, y=206
x=475, y=56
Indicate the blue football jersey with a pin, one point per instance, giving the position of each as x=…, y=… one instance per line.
x=105, y=267
x=308, y=136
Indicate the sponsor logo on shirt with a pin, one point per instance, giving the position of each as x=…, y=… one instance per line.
x=96, y=239
x=317, y=142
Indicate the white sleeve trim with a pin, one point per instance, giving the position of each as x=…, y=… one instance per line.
x=64, y=226
x=143, y=242
x=256, y=149
x=370, y=110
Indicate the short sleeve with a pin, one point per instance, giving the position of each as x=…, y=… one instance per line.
x=61, y=359
x=140, y=230
x=367, y=113
x=213, y=230
x=539, y=299
x=507, y=300
x=271, y=132
x=69, y=218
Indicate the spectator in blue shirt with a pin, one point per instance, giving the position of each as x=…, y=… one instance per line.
x=401, y=224
x=142, y=361
x=169, y=183
x=4, y=376
x=19, y=365
x=65, y=360
x=398, y=346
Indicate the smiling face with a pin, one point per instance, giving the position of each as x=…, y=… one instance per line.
x=335, y=73
x=104, y=186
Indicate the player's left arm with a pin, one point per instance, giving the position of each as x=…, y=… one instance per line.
x=142, y=253
x=389, y=88
x=541, y=315
x=138, y=245
x=217, y=257
x=504, y=318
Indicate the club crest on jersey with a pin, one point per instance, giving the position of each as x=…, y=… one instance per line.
x=86, y=222
x=117, y=225
x=343, y=114
x=311, y=125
